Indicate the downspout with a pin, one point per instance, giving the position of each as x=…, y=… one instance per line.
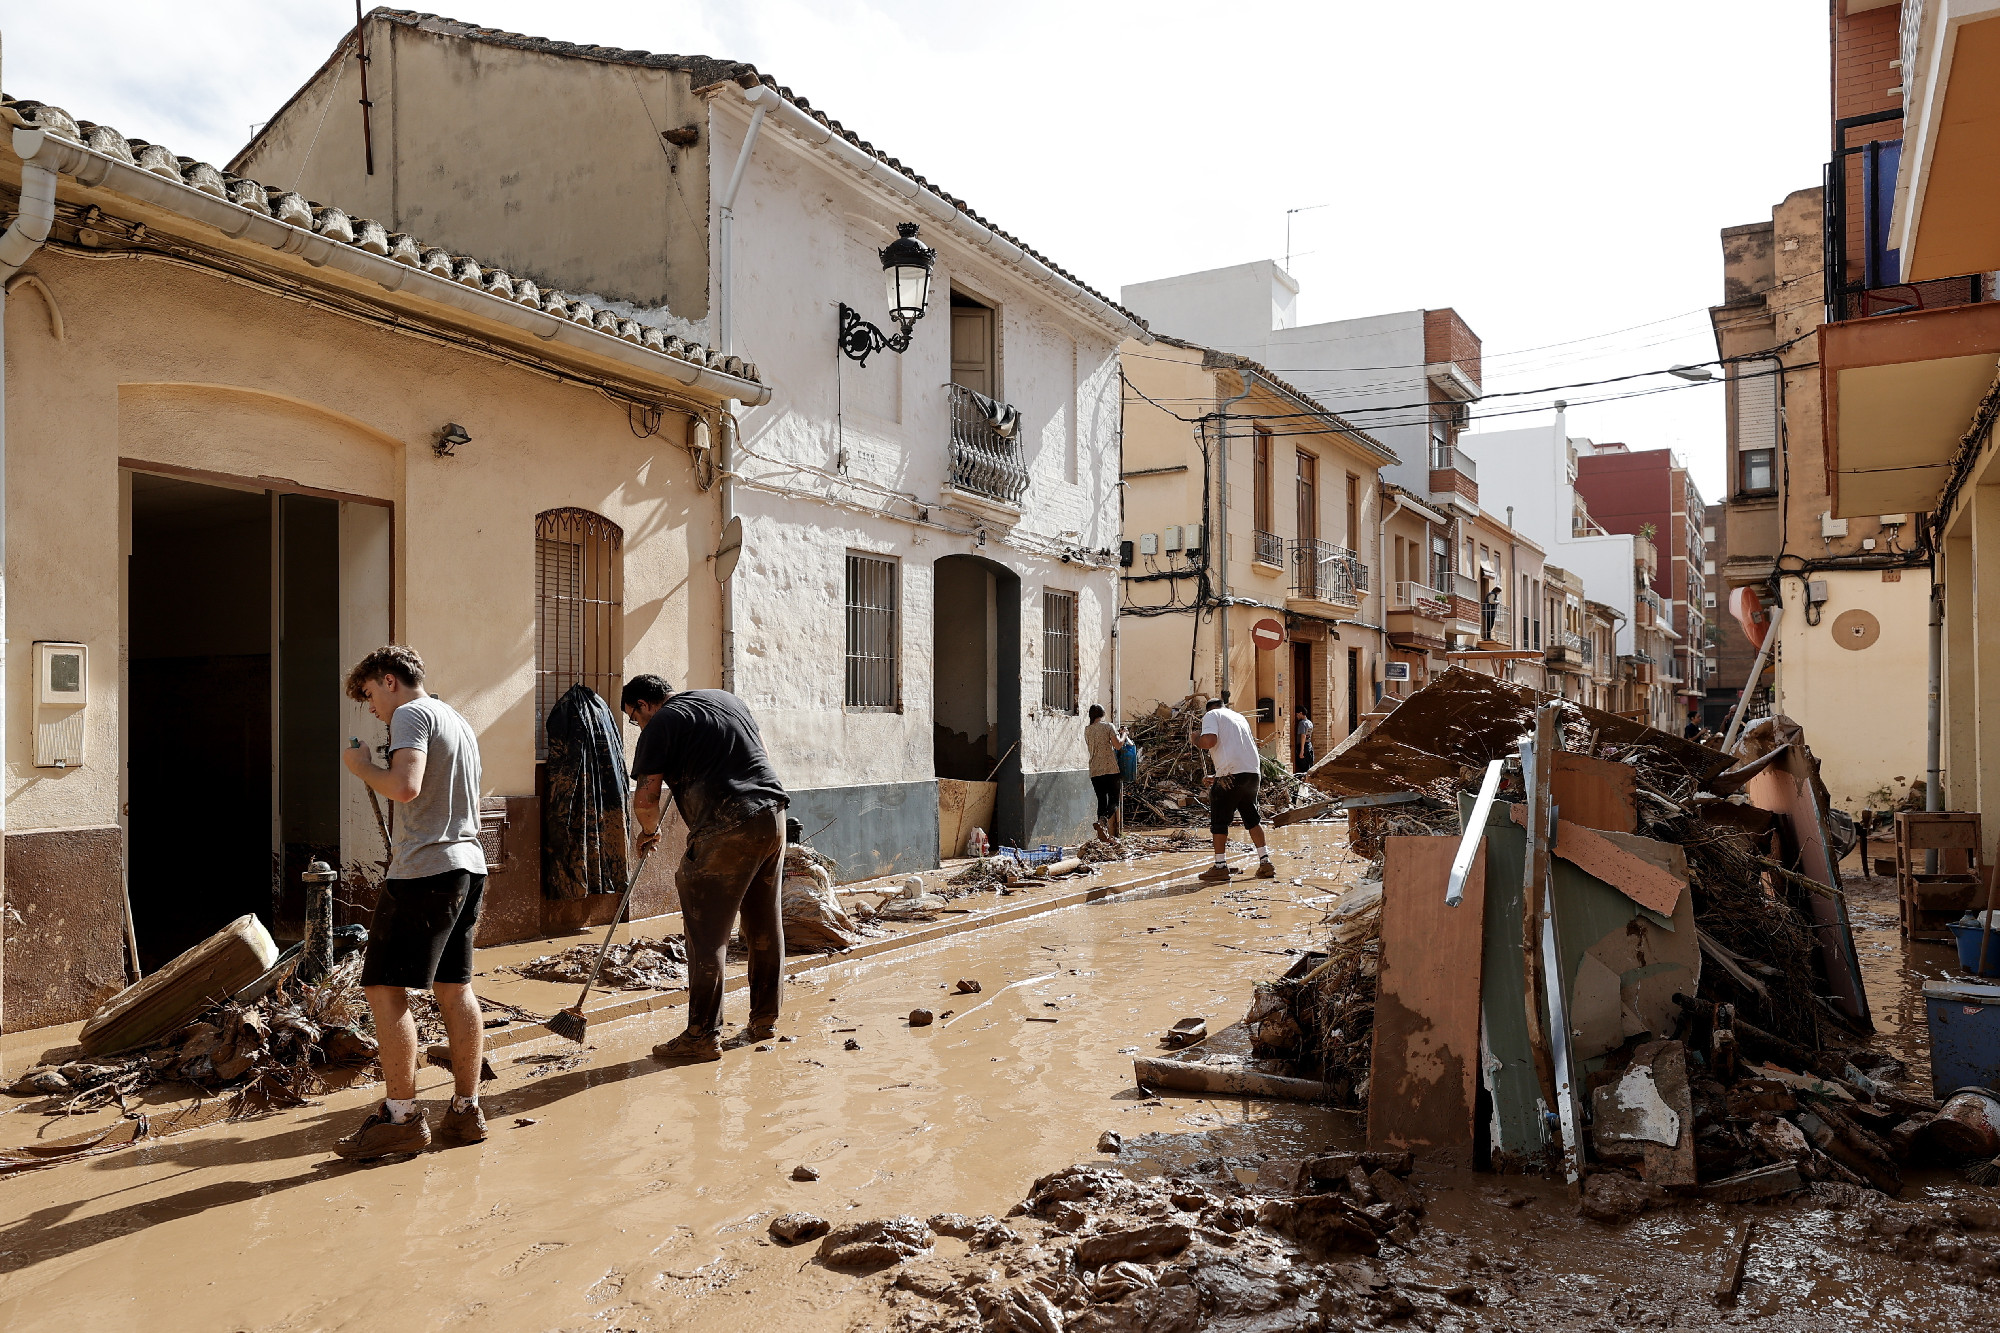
x=725, y=325
x=1221, y=535
x=1933, y=757
x=25, y=236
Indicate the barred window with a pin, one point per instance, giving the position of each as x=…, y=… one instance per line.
x=579, y=610
x=871, y=631
x=1059, y=651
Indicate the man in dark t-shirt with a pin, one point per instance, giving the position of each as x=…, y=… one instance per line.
x=703, y=744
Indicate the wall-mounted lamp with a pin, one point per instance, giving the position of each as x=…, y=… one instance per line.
x=906, y=266
x=449, y=439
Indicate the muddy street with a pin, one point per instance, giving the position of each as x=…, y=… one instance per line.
x=617, y=1193
x=620, y=1193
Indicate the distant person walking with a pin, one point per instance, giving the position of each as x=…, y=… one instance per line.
x=704, y=745
x=1225, y=734
x=1304, y=732
x=428, y=911
x=1105, y=778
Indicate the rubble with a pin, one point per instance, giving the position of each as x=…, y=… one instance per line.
x=815, y=921
x=1171, y=786
x=797, y=1228
x=639, y=963
x=875, y=1244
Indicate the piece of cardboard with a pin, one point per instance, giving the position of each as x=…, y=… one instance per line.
x=1423, y=1079
x=1642, y=878
x=1596, y=793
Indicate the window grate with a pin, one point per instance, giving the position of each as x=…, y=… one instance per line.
x=1059, y=651
x=871, y=632
x=579, y=590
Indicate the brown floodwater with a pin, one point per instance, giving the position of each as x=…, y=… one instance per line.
x=639, y=1195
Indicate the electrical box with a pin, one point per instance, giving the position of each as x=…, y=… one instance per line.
x=1125, y=555
x=1170, y=539
x=62, y=696
x=1867, y=543
x=1149, y=543
x=1816, y=591
x=1192, y=534
x=1831, y=527
x=1893, y=520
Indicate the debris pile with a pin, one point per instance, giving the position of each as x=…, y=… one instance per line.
x=1713, y=1010
x=815, y=922
x=639, y=963
x=1172, y=783
x=272, y=1051
x=1093, y=1251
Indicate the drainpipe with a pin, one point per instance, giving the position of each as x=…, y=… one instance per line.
x=1933, y=765
x=22, y=239
x=725, y=325
x=1221, y=535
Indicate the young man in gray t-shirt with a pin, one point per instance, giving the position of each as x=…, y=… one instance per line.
x=428, y=911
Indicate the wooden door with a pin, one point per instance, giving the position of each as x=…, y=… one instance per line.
x=972, y=349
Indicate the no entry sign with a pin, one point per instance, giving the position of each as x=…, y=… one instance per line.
x=1267, y=634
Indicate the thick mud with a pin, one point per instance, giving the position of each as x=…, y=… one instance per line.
x=616, y=1193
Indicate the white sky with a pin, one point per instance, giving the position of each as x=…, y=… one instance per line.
x=1556, y=171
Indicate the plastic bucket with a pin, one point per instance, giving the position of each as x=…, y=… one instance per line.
x=1967, y=935
x=1968, y=1124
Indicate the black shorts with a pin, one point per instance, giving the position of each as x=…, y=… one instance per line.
x=423, y=931
x=1233, y=794
x=1106, y=786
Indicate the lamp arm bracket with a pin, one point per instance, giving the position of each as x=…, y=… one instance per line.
x=860, y=340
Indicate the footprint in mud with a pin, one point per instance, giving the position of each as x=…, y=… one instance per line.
x=608, y=1287
x=533, y=1252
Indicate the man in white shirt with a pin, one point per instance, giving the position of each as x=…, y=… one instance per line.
x=1225, y=734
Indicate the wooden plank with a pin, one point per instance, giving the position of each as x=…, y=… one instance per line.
x=1597, y=793
x=1785, y=788
x=1640, y=878
x=1423, y=1078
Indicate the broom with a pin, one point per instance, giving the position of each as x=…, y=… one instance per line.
x=570, y=1022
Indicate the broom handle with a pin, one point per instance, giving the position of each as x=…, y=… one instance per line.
x=605, y=948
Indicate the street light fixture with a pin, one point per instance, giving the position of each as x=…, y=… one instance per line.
x=1692, y=374
x=906, y=270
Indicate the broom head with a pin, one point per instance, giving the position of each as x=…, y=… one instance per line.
x=570, y=1024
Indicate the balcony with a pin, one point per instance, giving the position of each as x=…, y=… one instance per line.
x=986, y=463
x=1453, y=473
x=1648, y=611
x=1408, y=596
x=1942, y=212
x=1639, y=667
x=1416, y=616
x=1323, y=572
x=1496, y=624
x=1268, y=549
x=1568, y=651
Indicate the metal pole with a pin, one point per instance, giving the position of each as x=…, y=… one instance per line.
x=1933, y=774
x=1756, y=674
x=1218, y=540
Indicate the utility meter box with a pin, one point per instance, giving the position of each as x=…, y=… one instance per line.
x=1149, y=543
x=1170, y=539
x=62, y=697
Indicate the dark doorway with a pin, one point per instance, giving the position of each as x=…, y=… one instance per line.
x=232, y=739
x=1302, y=699
x=976, y=683
x=1353, y=689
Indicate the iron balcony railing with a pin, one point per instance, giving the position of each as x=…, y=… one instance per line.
x=1496, y=624
x=1445, y=458
x=1270, y=548
x=1565, y=646
x=1327, y=573
x=1640, y=656
x=983, y=461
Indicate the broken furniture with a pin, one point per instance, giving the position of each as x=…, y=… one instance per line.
x=1928, y=901
x=212, y=971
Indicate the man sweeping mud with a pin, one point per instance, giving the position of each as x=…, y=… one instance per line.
x=1225, y=734
x=704, y=745
x=429, y=908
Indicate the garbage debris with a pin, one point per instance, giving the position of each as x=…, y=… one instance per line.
x=815, y=922
x=640, y=963
x=1171, y=783
x=224, y=963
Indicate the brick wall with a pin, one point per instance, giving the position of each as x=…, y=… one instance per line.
x=1445, y=479
x=1863, y=80
x=1446, y=338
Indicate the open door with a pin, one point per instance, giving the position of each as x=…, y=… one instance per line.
x=366, y=623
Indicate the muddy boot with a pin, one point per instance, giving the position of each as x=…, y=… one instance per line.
x=1218, y=874
x=461, y=1126
x=751, y=1034
x=690, y=1048
x=1103, y=835
x=1265, y=870
x=380, y=1136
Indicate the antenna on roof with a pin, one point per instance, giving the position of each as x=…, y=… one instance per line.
x=367, y=129
x=1288, y=222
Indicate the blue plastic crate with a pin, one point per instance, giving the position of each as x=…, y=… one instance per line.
x=1965, y=1035
x=1045, y=855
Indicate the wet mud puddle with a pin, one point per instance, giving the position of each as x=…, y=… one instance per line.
x=618, y=1193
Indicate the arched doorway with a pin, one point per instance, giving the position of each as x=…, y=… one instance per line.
x=976, y=685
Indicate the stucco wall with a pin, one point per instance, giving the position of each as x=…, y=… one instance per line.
x=182, y=371
x=548, y=166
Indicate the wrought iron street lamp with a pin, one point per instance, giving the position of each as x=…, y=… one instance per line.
x=906, y=269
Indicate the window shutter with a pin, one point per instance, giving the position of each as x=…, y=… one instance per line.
x=1757, y=404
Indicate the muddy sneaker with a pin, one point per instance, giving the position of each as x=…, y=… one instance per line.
x=459, y=1128
x=1214, y=875
x=751, y=1034
x=1265, y=870
x=690, y=1048
x=380, y=1136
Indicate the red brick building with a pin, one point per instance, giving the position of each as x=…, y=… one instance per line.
x=1647, y=492
x=1728, y=648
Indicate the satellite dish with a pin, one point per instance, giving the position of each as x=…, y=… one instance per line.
x=727, y=554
